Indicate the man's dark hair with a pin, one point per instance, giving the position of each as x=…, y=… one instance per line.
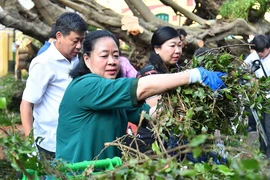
x=69, y=22
x=52, y=33
x=181, y=32
x=88, y=46
x=268, y=37
x=260, y=43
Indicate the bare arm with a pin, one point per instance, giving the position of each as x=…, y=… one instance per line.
x=160, y=83
x=26, y=116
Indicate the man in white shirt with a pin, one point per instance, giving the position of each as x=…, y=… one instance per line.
x=48, y=79
x=262, y=48
x=248, y=62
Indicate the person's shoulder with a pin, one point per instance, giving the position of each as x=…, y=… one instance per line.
x=44, y=48
x=148, y=66
x=124, y=59
x=43, y=58
x=254, y=54
x=251, y=57
x=86, y=76
x=146, y=70
x=49, y=54
x=267, y=59
x=87, y=80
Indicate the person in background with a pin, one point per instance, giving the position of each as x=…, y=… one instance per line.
x=182, y=60
x=126, y=68
x=260, y=50
x=128, y=71
x=164, y=57
x=183, y=34
x=262, y=47
x=248, y=62
x=47, y=44
x=97, y=104
x=47, y=82
x=166, y=51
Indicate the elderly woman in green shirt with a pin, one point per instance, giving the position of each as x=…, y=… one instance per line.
x=98, y=104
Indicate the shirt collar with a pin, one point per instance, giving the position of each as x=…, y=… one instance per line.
x=57, y=55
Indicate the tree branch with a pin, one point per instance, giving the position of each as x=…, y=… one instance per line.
x=49, y=11
x=93, y=14
x=186, y=13
x=37, y=30
x=145, y=12
x=133, y=9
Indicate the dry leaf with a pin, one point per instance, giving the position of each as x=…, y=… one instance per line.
x=131, y=24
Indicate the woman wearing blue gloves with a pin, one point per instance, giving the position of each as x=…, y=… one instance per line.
x=166, y=52
x=97, y=104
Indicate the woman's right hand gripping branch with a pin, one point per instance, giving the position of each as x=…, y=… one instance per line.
x=208, y=78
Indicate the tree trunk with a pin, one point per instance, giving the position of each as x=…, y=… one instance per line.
x=37, y=22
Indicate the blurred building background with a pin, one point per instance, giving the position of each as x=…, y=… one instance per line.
x=157, y=8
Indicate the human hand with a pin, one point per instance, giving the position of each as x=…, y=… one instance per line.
x=209, y=78
x=212, y=78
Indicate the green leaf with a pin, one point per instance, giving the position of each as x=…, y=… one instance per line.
x=189, y=113
x=188, y=91
x=228, y=96
x=4, y=121
x=196, y=152
x=198, y=140
x=189, y=173
x=3, y=102
x=207, y=167
x=250, y=164
x=156, y=148
x=199, y=167
x=197, y=109
x=225, y=170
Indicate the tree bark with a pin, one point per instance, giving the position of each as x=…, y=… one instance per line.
x=37, y=22
x=49, y=11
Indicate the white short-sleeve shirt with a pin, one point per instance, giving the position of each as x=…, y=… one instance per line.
x=251, y=57
x=265, y=62
x=45, y=87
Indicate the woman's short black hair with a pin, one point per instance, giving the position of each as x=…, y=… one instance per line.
x=163, y=34
x=91, y=39
x=88, y=46
x=160, y=36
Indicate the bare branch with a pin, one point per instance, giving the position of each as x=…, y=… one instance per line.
x=36, y=30
x=49, y=11
x=186, y=13
x=145, y=12
x=133, y=9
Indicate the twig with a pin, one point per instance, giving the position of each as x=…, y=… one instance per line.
x=126, y=147
x=159, y=139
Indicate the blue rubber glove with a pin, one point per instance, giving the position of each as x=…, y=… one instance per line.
x=209, y=78
x=212, y=78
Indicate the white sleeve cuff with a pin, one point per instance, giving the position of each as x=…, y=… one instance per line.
x=194, y=75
